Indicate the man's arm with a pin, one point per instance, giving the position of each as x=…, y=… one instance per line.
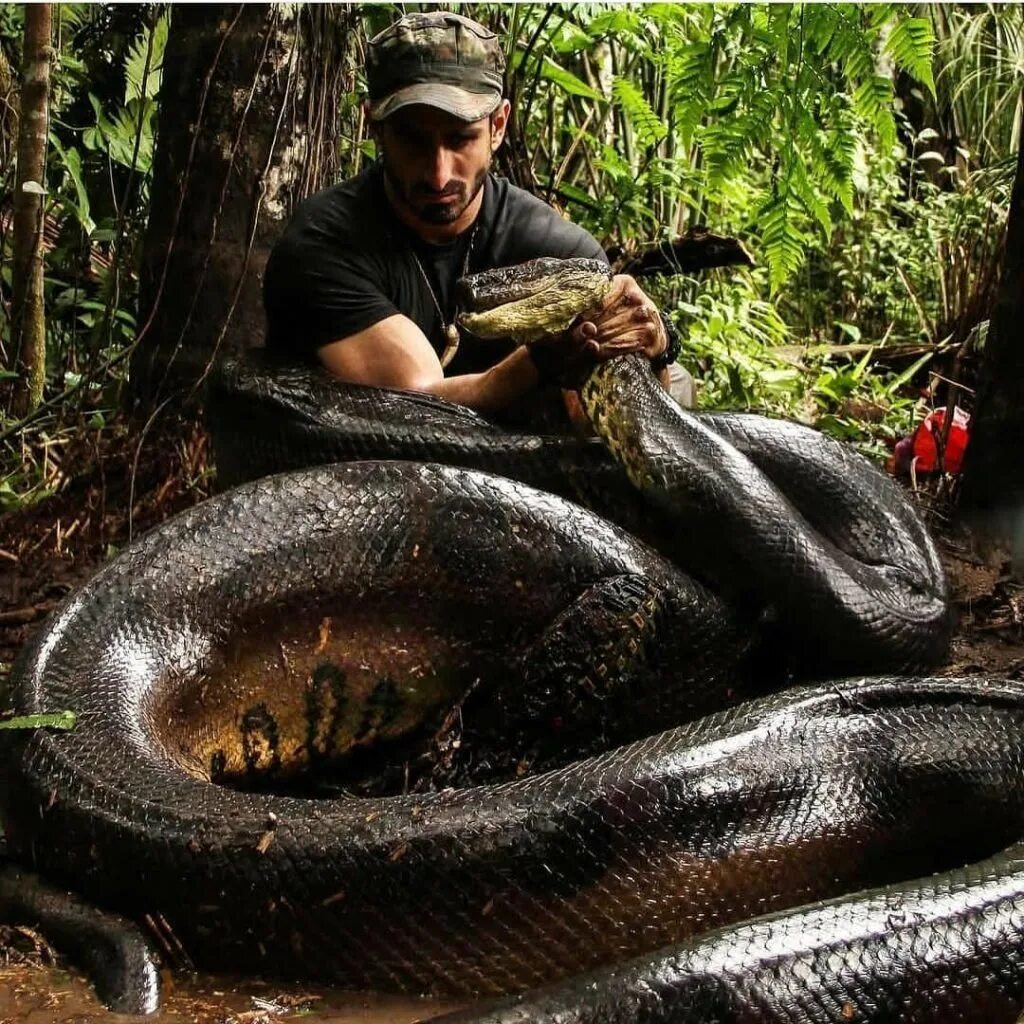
x=394, y=353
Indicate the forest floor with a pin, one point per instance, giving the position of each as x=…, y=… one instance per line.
x=115, y=491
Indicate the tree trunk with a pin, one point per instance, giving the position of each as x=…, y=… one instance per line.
x=248, y=127
x=28, y=322
x=9, y=103
x=992, y=488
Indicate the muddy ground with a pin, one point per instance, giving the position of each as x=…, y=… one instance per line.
x=35, y=990
x=114, y=491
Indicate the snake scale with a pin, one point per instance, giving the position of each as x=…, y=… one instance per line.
x=791, y=857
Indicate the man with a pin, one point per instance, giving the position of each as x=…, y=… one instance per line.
x=364, y=278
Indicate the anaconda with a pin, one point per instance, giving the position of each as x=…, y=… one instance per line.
x=788, y=800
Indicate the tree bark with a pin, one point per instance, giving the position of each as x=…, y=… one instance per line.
x=9, y=102
x=992, y=487
x=28, y=320
x=248, y=127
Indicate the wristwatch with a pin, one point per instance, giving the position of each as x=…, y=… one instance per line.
x=673, y=347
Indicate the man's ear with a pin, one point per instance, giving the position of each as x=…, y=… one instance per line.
x=372, y=127
x=499, y=122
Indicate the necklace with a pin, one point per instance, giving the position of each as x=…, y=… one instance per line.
x=451, y=330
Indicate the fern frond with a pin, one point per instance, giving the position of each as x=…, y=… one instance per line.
x=782, y=242
x=872, y=100
x=731, y=141
x=911, y=44
x=777, y=30
x=834, y=156
x=879, y=15
x=820, y=22
x=804, y=190
x=689, y=75
x=849, y=41
x=832, y=140
x=648, y=126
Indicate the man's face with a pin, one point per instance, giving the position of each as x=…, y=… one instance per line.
x=435, y=163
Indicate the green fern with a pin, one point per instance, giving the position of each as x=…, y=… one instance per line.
x=729, y=144
x=690, y=89
x=781, y=240
x=819, y=26
x=833, y=154
x=807, y=193
x=872, y=100
x=879, y=15
x=911, y=44
x=648, y=126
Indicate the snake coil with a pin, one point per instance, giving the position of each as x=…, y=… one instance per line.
x=702, y=873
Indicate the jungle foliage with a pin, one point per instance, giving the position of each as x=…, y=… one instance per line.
x=863, y=153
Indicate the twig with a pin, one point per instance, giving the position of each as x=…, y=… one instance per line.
x=570, y=152
x=19, y=616
x=19, y=425
x=949, y=380
x=929, y=329
x=135, y=462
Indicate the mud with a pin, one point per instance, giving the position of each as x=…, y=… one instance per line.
x=34, y=993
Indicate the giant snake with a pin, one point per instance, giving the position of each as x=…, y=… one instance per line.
x=700, y=874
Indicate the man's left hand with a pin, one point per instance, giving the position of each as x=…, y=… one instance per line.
x=625, y=320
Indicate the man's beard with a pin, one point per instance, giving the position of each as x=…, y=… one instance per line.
x=417, y=198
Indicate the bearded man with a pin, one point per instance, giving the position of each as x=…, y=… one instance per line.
x=363, y=280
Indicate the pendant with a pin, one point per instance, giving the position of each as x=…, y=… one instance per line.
x=451, y=333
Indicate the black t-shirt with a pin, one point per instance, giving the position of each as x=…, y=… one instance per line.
x=346, y=262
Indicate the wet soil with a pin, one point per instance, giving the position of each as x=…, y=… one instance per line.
x=36, y=989
x=118, y=491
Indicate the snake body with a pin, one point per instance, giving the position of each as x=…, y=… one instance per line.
x=718, y=855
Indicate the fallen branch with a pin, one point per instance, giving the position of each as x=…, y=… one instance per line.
x=19, y=616
x=887, y=355
x=697, y=249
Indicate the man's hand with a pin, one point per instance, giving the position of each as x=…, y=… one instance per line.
x=566, y=358
x=625, y=320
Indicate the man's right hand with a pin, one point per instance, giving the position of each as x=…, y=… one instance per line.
x=566, y=358
x=625, y=320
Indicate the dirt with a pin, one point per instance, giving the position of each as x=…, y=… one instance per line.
x=114, y=492
x=988, y=603
x=111, y=490
x=36, y=990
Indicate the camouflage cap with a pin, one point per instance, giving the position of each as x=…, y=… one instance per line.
x=438, y=58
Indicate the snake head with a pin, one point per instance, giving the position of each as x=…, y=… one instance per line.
x=533, y=299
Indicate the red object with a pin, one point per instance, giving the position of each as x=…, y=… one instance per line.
x=927, y=439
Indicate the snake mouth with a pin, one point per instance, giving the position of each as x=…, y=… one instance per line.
x=531, y=300
x=478, y=293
